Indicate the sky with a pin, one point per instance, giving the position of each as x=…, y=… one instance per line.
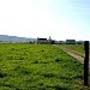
x=60, y=19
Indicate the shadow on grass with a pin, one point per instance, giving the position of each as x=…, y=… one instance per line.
x=10, y=86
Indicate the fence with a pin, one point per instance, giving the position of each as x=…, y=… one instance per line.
x=86, y=64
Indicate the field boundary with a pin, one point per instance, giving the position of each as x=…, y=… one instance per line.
x=73, y=51
x=73, y=54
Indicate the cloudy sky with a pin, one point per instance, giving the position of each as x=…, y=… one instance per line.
x=60, y=19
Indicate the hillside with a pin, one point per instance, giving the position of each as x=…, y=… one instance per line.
x=6, y=38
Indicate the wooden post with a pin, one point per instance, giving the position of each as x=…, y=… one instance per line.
x=86, y=63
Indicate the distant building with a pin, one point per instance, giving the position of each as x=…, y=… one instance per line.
x=70, y=41
x=61, y=42
x=50, y=40
x=80, y=42
x=42, y=41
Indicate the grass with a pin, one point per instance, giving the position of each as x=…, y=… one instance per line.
x=38, y=67
x=78, y=49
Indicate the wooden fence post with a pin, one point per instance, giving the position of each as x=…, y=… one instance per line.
x=86, y=63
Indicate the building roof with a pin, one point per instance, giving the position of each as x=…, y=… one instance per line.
x=41, y=38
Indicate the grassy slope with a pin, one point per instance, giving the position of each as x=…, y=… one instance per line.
x=38, y=67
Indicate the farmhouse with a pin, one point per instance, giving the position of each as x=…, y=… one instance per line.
x=42, y=41
x=70, y=41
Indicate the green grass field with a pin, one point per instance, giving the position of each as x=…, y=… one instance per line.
x=38, y=67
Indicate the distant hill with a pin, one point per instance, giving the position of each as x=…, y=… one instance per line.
x=6, y=38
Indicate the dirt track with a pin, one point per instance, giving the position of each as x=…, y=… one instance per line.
x=74, y=55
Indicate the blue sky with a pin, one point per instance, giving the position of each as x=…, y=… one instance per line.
x=60, y=19
x=75, y=12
